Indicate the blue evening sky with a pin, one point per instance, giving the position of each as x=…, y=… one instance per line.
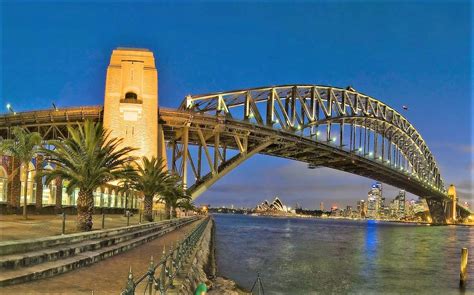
x=402, y=52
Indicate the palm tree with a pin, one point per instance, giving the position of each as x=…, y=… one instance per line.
x=88, y=159
x=175, y=195
x=24, y=146
x=151, y=179
x=125, y=184
x=186, y=204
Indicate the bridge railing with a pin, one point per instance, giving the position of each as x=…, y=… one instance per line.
x=159, y=277
x=71, y=114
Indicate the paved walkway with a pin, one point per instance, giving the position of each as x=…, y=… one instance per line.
x=106, y=277
x=14, y=227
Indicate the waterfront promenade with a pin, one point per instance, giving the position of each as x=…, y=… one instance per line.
x=105, y=277
x=15, y=227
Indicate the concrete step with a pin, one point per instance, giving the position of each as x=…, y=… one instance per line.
x=14, y=261
x=22, y=246
x=71, y=262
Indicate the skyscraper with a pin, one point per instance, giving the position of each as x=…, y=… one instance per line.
x=375, y=202
x=362, y=208
x=401, y=203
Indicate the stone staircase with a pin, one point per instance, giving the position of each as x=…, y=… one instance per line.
x=27, y=260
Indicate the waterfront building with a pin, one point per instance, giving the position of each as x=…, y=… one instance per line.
x=401, y=204
x=348, y=211
x=397, y=206
x=416, y=209
x=336, y=212
x=362, y=208
x=375, y=202
x=321, y=206
x=275, y=206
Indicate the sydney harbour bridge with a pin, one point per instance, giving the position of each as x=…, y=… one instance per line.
x=209, y=135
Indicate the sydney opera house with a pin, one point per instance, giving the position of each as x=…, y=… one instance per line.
x=275, y=206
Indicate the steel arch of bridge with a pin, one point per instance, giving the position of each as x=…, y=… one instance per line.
x=341, y=120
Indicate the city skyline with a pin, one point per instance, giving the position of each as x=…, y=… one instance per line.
x=72, y=73
x=389, y=194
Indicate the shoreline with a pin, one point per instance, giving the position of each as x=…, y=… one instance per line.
x=345, y=218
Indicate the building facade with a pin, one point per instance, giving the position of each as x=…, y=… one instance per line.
x=397, y=206
x=375, y=202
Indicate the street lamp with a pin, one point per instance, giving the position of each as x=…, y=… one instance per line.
x=54, y=106
x=10, y=109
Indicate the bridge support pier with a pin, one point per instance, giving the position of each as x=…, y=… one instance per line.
x=437, y=211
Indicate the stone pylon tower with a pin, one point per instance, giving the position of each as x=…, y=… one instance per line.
x=131, y=100
x=452, y=195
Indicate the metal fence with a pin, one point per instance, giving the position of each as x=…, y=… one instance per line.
x=159, y=277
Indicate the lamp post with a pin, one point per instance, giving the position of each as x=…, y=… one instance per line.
x=10, y=109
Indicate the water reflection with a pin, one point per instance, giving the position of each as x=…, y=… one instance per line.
x=371, y=240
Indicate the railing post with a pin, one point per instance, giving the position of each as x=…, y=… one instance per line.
x=151, y=276
x=130, y=287
x=63, y=231
x=140, y=218
x=163, y=272
x=128, y=218
x=103, y=220
x=171, y=266
x=170, y=263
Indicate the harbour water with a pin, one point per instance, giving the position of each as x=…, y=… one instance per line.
x=327, y=256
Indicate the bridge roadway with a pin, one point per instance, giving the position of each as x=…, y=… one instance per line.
x=259, y=139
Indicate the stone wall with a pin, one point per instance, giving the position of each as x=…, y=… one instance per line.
x=201, y=268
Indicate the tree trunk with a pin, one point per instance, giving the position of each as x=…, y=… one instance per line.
x=39, y=184
x=85, y=208
x=167, y=211
x=125, y=203
x=14, y=183
x=148, y=208
x=171, y=212
x=25, y=195
x=59, y=195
